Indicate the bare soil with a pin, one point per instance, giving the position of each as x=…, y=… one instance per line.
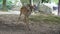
x=8, y=26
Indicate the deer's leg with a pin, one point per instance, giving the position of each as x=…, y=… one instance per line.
x=26, y=22
x=19, y=17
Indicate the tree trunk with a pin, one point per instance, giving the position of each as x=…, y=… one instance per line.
x=59, y=8
x=4, y=8
x=30, y=2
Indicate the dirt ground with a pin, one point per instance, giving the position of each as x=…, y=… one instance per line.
x=7, y=26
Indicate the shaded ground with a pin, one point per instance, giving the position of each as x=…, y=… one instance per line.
x=37, y=26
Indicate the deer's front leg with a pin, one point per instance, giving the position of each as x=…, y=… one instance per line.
x=26, y=21
x=19, y=17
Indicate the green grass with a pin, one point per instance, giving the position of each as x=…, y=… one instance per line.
x=47, y=19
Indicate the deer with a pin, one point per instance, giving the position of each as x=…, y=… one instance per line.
x=26, y=11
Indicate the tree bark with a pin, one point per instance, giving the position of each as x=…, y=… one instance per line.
x=4, y=8
x=59, y=8
x=30, y=2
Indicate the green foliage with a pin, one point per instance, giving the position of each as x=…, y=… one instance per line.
x=36, y=0
x=56, y=1
x=9, y=4
x=25, y=1
x=0, y=0
x=46, y=1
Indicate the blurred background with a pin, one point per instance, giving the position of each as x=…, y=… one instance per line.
x=44, y=6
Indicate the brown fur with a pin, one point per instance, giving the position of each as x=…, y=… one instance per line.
x=26, y=11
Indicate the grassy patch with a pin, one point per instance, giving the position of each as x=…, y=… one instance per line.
x=47, y=19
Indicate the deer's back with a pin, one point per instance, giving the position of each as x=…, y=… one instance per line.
x=24, y=10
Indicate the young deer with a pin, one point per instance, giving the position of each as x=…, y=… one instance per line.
x=26, y=11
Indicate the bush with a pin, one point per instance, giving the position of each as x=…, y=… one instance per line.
x=8, y=5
